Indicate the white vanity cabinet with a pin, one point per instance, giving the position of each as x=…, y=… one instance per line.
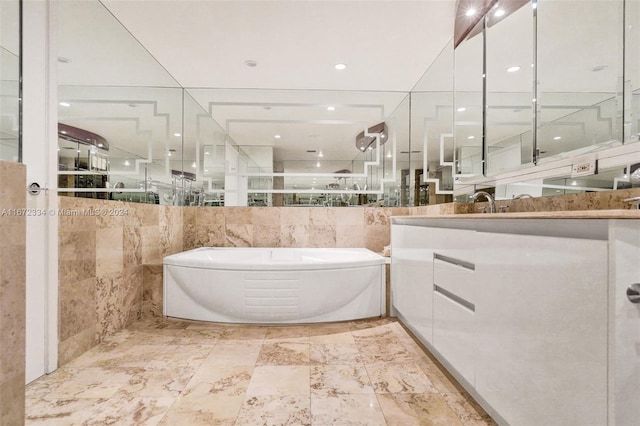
x=412, y=264
x=541, y=329
x=530, y=315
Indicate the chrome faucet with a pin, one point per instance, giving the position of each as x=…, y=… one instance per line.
x=489, y=198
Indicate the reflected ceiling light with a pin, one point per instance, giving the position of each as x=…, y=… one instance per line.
x=557, y=138
x=251, y=63
x=499, y=13
x=65, y=104
x=362, y=148
x=340, y=67
x=194, y=165
x=320, y=154
x=331, y=108
x=177, y=134
x=471, y=137
x=370, y=148
x=625, y=176
x=318, y=164
x=470, y=12
x=206, y=153
x=513, y=69
x=461, y=109
x=277, y=136
x=64, y=132
x=206, y=170
x=389, y=154
x=100, y=145
x=126, y=163
x=76, y=150
x=574, y=183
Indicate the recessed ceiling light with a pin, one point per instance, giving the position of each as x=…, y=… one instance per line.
x=331, y=108
x=461, y=109
x=206, y=153
x=362, y=148
x=340, y=66
x=513, y=69
x=499, y=13
x=471, y=137
x=65, y=104
x=557, y=138
x=251, y=63
x=177, y=134
x=63, y=60
x=100, y=145
x=277, y=136
x=470, y=12
x=64, y=132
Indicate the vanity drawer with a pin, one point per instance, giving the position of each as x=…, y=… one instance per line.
x=453, y=333
x=455, y=275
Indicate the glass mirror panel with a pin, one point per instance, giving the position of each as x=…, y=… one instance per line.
x=632, y=71
x=432, y=131
x=121, y=143
x=9, y=80
x=509, y=65
x=277, y=139
x=579, y=59
x=468, y=101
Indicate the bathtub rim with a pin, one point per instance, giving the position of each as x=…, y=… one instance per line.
x=368, y=258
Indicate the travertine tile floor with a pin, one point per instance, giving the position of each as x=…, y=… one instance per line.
x=173, y=372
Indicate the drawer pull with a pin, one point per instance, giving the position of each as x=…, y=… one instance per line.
x=454, y=298
x=454, y=261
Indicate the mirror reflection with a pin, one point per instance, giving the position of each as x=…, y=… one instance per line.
x=579, y=106
x=519, y=93
x=468, y=130
x=9, y=78
x=509, y=87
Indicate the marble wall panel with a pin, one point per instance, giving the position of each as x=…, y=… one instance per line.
x=12, y=292
x=152, y=290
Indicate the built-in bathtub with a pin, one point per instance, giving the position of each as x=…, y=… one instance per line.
x=274, y=285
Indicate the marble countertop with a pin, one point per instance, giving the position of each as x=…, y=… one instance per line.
x=565, y=214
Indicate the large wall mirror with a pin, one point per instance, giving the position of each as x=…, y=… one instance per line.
x=560, y=96
x=9, y=80
x=131, y=132
x=512, y=107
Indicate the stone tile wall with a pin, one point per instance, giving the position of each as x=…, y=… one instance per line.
x=103, y=246
x=13, y=195
x=601, y=200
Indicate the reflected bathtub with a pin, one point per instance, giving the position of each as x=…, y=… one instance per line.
x=274, y=285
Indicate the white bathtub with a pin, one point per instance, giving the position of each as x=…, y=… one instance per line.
x=274, y=285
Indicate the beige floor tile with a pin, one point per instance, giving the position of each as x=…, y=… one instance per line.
x=203, y=410
x=399, y=378
x=279, y=380
x=275, y=410
x=339, y=379
x=284, y=354
x=417, y=409
x=220, y=380
x=175, y=372
x=346, y=409
x=468, y=410
x=341, y=353
x=234, y=353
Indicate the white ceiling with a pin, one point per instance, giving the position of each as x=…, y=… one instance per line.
x=386, y=45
